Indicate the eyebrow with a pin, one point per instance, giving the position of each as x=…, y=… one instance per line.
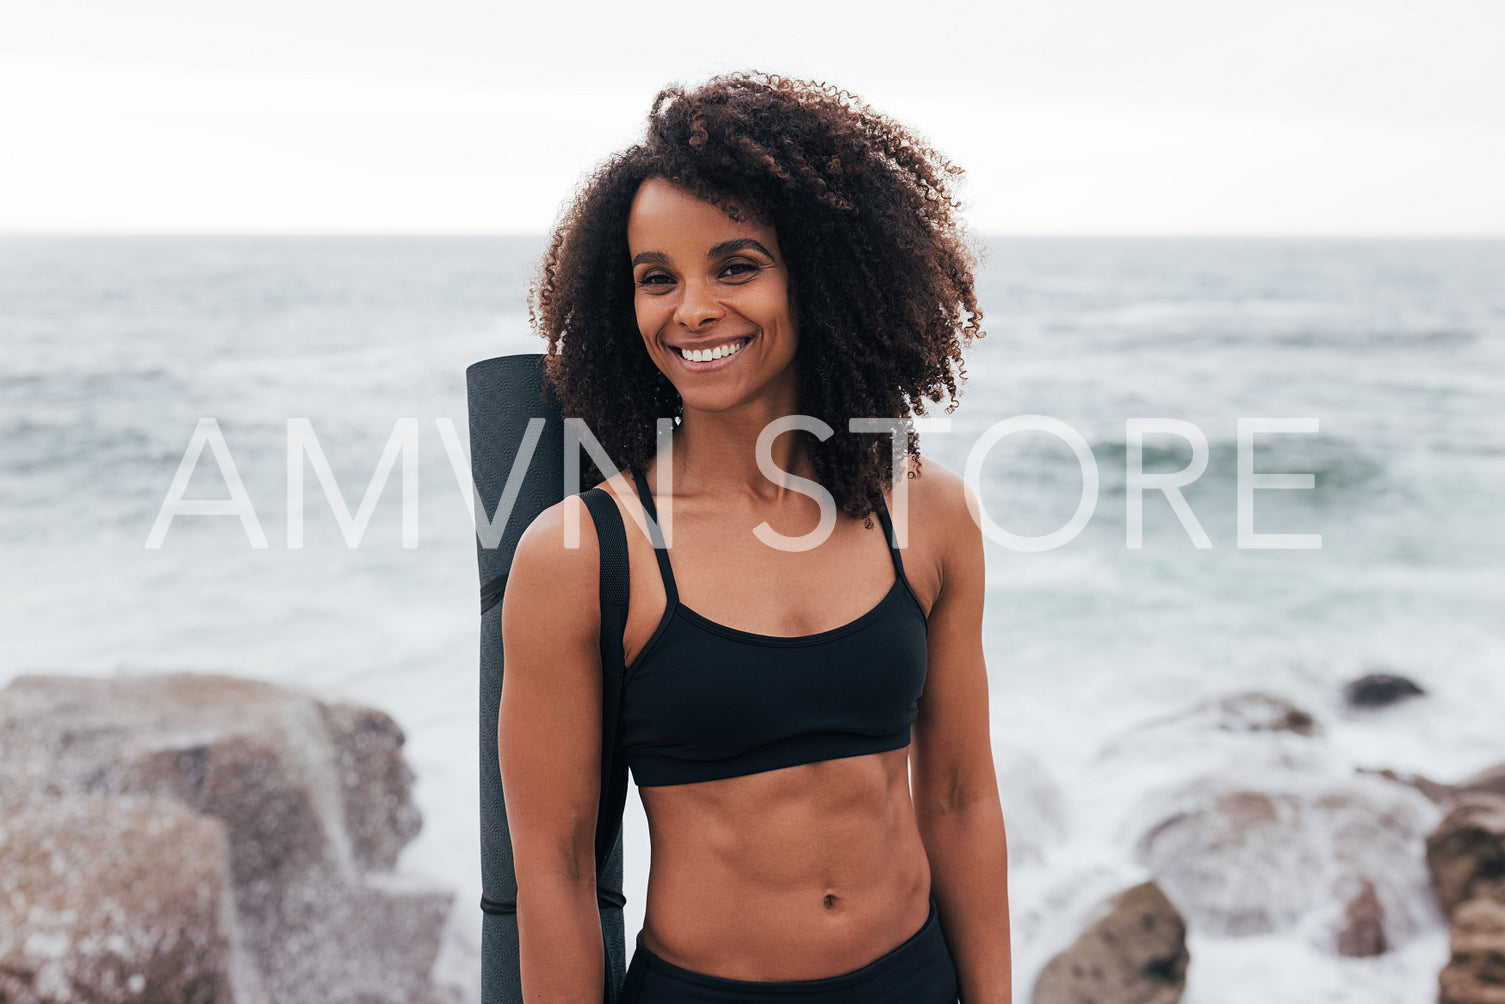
x=740, y=244
x=716, y=251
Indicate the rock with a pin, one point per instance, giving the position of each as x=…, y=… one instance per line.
x=313, y=800
x=1433, y=790
x=376, y=783
x=1135, y=953
x=117, y=898
x=1245, y=732
x=1475, y=973
x=1232, y=730
x=1490, y=781
x=1363, y=932
x=1251, y=711
x=1466, y=853
x=1260, y=712
x=1379, y=690
x=1242, y=861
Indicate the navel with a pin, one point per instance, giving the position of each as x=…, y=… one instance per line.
x=830, y=901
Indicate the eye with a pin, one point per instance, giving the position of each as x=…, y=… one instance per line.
x=656, y=280
x=739, y=270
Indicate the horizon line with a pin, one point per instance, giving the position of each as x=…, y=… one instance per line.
x=993, y=235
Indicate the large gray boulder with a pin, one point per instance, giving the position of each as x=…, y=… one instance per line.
x=375, y=783
x=118, y=898
x=312, y=798
x=1133, y=953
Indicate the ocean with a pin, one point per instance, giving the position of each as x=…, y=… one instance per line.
x=1377, y=365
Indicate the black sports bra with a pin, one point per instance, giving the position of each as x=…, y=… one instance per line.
x=703, y=701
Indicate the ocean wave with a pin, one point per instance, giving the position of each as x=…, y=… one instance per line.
x=1338, y=464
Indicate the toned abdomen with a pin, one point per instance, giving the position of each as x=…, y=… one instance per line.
x=800, y=873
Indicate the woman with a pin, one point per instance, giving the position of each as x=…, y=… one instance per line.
x=774, y=248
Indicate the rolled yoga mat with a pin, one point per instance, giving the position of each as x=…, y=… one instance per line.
x=516, y=440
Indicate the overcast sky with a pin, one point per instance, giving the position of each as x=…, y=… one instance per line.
x=1071, y=117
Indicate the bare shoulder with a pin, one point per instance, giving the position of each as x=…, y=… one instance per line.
x=942, y=504
x=943, y=540
x=555, y=569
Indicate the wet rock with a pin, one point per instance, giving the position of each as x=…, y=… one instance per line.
x=1134, y=953
x=1363, y=932
x=1379, y=690
x=1248, y=733
x=313, y=800
x=1489, y=782
x=1466, y=853
x=1243, y=861
x=1475, y=973
x=1259, y=712
x=113, y=899
x=375, y=783
x=1435, y=791
x=1251, y=711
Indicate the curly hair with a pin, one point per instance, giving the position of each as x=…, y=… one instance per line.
x=880, y=267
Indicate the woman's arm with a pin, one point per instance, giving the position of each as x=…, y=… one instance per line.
x=955, y=788
x=549, y=741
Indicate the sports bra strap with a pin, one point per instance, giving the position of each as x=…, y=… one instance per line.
x=656, y=534
x=893, y=546
x=662, y=553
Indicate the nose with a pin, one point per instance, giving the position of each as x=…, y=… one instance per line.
x=698, y=306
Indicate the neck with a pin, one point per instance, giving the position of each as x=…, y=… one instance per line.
x=716, y=453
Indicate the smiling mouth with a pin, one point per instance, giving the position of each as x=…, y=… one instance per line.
x=712, y=354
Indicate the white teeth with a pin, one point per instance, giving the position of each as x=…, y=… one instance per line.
x=706, y=355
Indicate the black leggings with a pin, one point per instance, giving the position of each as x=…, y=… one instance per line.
x=919, y=971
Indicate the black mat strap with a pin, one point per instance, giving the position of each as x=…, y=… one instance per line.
x=492, y=591
x=608, y=898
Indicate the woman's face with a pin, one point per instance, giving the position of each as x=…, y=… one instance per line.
x=712, y=301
